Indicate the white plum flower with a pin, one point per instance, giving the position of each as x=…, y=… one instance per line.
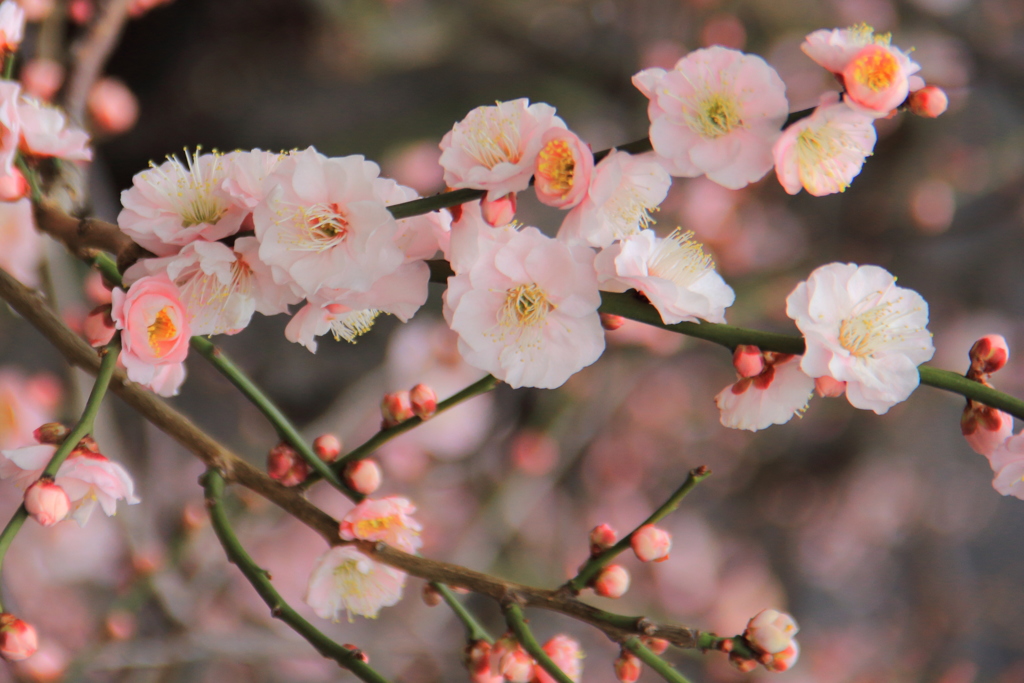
x=345, y=579
x=774, y=396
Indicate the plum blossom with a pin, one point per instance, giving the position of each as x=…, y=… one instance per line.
x=716, y=113
x=46, y=132
x=12, y=25
x=494, y=147
x=317, y=318
x=386, y=519
x=246, y=176
x=563, y=170
x=771, y=631
x=673, y=273
x=565, y=652
x=624, y=191
x=175, y=203
x=155, y=333
x=18, y=639
x=860, y=328
x=824, y=152
x=25, y=403
x=526, y=309
x=1008, y=465
x=985, y=428
x=10, y=124
x=21, y=247
x=780, y=391
x=345, y=579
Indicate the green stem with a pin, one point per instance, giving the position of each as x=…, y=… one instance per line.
x=9, y=60
x=474, y=631
x=595, y=564
x=30, y=178
x=103, y=263
x=285, y=429
x=663, y=668
x=516, y=622
x=213, y=484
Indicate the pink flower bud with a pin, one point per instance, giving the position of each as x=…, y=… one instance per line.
x=612, y=322
x=97, y=289
x=534, y=452
x=47, y=502
x=431, y=598
x=363, y=476
x=360, y=655
x=567, y=655
x=477, y=657
x=13, y=186
x=563, y=169
x=628, y=667
x=989, y=354
x=51, y=433
x=742, y=663
x=651, y=544
x=18, y=639
x=656, y=645
x=500, y=211
x=424, y=401
x=827, y=387
x=112, y=106
x=930, y=101
x=783, y=661
x=42, y=78
x=81, y=11
x=516, y=666
x=602, y=537
x=98, y=328
x=612, y=582
x=771, y=631
x=395, y=408
x=286, y=466
x=327, y=447
x=748, y=361
x=985, y=428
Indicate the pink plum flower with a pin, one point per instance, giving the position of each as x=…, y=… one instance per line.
x=565, y=652
x=113, y=106
x=985, y=428
x=317, y=319
x=860, y=328
x=173, y=204
x=10, y=124
x=624, y=191
x=12, y=25
x=345, y=579
x=18, y=639
x=246, y=176
x=780, y=391
x=875, y=74
x=154, y=333
x=21, y=247
x=526, y=310
x=45, y=132
x=563, y=170
x=386, y=519
x=717, y=113
x=673, y=273
x=494, y=147
x=824, y=152
x=1008, y=465
x=26, y=404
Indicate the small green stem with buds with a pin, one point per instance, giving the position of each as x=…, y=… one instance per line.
x=663, y=668
x=517, y=622
x=474, y=631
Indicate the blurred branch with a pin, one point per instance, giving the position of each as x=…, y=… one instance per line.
x=515, y=620
x=90, y=53
x=213, y=485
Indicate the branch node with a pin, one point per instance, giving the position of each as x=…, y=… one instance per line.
x=646, y=626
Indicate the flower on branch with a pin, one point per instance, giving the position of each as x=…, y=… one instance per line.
x=567, y=655
x=345, y=579
x=46, y=132
x=773, y=396
x=386, y=519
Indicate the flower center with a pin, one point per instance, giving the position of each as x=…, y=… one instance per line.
x=818, y=150
x=865, y=333
x=366, y=527
x=348, y=325
x=716, y=115
x=493, y=137
x=875, y=68
x=162, y=329
x=525, y=306
x=555, y=167
x=326, y=223
x=630, y=212
x=191, y=191
x=679, y=259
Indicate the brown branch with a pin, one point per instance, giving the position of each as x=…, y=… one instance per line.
x=90, y=53
x=83, y=235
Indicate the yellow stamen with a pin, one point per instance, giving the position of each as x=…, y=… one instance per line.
x=556, y=167
x=162, y=329
x=716, y=115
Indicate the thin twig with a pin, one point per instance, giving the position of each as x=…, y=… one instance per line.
x=90, y=54
x=515, y=620
x=663, y=668
x=474, y=631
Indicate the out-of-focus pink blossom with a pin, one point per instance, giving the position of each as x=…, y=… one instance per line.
x=494, y=147
x=386, y=519
x=563, y=170
x=517, y=666
x=27, y=403
x=565, y=652
x=18, y=639
x=828, y=387
x=345, y=579
x=771, y=631
x=748, y=361
x=48, y=665
x=673, y=273
x=717, y=113
x=1008, y=464
x=47, y=502
x=396, y=407
x=612, y=322
x=624, y=191
x=651, y=544
x=602, y=537
x=98, y=327
x=989, y=354
x=533, y=451
x=14, y=186
x=930, y=101
x=21, y=247
x=96, y=289
x=46, y=132
x=10, y=124
x=860, y=328
x=155, y=333
x=612, y=581
x=985, y=428
x=113, y=106
x=285, y=465
x=81, y=11
x=423, y=401
x=628, y=667
x=779, y=392
x=327, y=447
x=42, y=78
x=136, y=8
x=36, y=10
x=12, y=25
x=825, y=151
x=363, y=476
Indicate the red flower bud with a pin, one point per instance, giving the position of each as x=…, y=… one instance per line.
x=52, y=433
x=363, y=476
x=395, y=408
x=602, y=537
x=989, y=354
x=327, y=447
x=748, y=361
x=930, y=101
x=612, y=322
x=423, y=400
x=612, y=582
x=18, y=640
x=285, y=465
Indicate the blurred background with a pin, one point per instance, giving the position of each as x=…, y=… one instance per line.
x=881, y=535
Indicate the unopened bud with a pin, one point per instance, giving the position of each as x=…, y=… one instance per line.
x=431, y=597
x=13, y=186
x=602, y=537
x=985, y=428
x=98, y=328
x=395, y=408
x=742, y=663
x=567, y=655
x=612, y=582
x=477, y=656
x=930, y=101
x=327, y=447
x=363, y=476
x=46, y=502
x=656, y=645
x=51, y=432
x=770, y=631
x=500, y=211
x=423, y=400
x=628, y=667
x=989, y=354
x=359, y=654
x=113, y=106
x=748, y=361
x=651, y=544
x=828, y=387
x=286, y=466
x=18, y=639
x=96, y=288
x=612, y=322
x=87, y=444
x=784, y=661
x=516, y=666
x=194, y=516
x=42, y=78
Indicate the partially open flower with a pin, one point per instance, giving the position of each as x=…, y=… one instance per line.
x=612, y=582
x=565, y=652
x=771, y=631
x=602, y=537
x=516, y=666
x=18, y=639
x=563, y=170
x=46, y=502
x=985, y=428
x=285, y=465
x=387, y=519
